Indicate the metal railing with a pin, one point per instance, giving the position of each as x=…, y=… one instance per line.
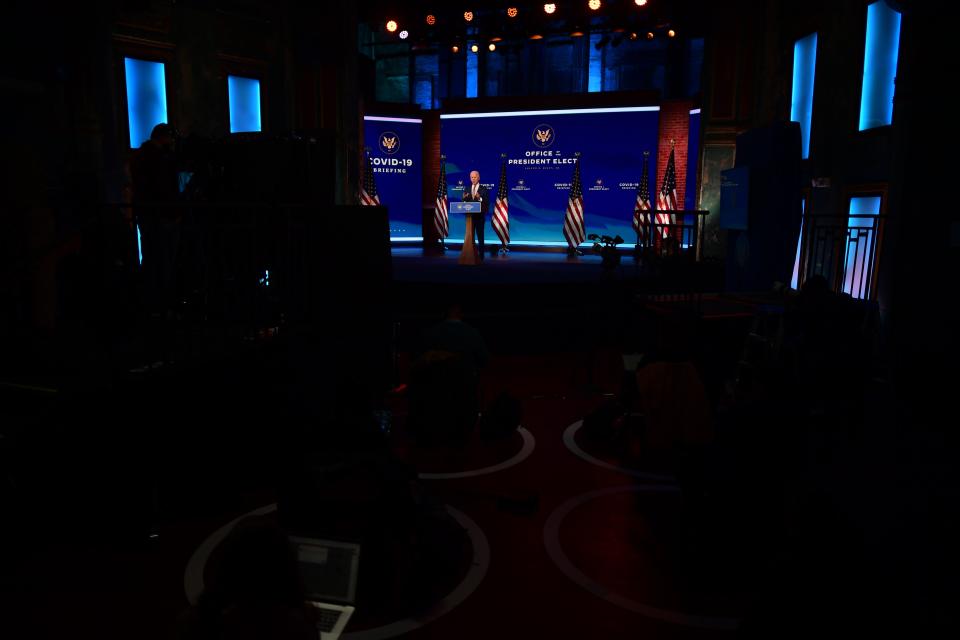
x=664, y=239
x=844, y=250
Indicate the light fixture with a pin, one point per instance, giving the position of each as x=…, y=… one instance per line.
x=512, y=12
x=671, y=33
x=633, y=35
x=536, y=36
x=576, y=33
x=549, y=8
x=649, y=35
x=640, y=3
x=455, y=49
x=391, y=25
x=594, y=5
x=404, y=34
x=492, y=47
x=496, y=39
x=431, y=19
x=468, y=16
x=474, y=48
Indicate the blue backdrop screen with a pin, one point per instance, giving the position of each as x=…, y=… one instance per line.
x=396, y=150
x=540, y=148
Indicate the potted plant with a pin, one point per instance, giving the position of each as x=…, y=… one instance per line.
x=607, y=248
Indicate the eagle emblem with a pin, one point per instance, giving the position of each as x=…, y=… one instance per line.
x=389, y=142
x=543, y=135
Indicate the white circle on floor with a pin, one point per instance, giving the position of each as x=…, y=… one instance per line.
x=193, y=576
x=570, y=440
x=529, y=443
x=551, y=540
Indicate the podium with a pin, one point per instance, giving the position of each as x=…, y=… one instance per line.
x=468, y=255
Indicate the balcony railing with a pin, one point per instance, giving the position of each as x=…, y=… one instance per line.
x=845, y=251
x=673, y=238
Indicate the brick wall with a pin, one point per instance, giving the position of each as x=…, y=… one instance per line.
x=674, y=126
x=431, y=169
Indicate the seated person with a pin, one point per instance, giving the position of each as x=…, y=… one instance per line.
x=444, y=380
x=254, y=591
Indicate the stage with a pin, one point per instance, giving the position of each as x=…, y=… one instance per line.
x=542, y=300
x=414, y=264
x=552, y=267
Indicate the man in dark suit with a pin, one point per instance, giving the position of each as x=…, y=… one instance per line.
x=476, y=192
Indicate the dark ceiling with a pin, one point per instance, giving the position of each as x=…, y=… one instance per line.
x=490, y=20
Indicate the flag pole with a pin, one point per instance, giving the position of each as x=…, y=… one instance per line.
x=575, y=251
x=503, y=158
x=443, y=167
x=576, y=155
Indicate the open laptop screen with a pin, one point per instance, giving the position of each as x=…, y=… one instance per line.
x=328, y=569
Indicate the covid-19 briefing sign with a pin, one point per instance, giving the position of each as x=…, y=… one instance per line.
x=395, y=146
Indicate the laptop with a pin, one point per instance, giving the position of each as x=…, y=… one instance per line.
x=329, y=572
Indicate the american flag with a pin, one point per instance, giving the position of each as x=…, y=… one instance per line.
x=573, y=222
x=368, y=187
x=667, y=198
x=441, y=217
x=500, y=221
x=641, y=219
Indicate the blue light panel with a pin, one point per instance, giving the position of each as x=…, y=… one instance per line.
x=595, y=71
x=146, y=98
x=865, y=206
x=244, y=97
x=423, y=93
x=804, y=68
x=879, y=66
x=471, y=72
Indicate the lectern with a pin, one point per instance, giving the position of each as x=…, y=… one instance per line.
x=469, y=253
